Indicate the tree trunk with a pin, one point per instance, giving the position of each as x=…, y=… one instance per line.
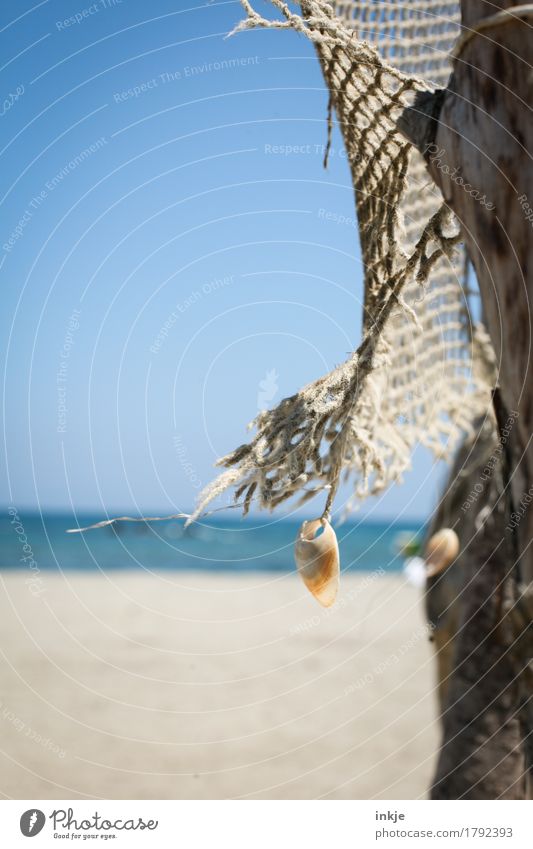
x=482, y=756
x=485, y=136
x=478, y=151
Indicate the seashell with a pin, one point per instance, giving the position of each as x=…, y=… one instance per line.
x=441, y=551
x=317, y=559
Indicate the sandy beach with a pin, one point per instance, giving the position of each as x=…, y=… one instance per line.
x=193, y=685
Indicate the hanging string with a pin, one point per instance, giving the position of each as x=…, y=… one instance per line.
x=172, y=516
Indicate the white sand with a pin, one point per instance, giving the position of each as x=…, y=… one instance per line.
x=213, y=686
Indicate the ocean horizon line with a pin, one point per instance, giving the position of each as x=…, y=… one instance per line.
x=39, y=541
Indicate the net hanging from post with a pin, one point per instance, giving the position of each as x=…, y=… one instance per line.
x=422, y=373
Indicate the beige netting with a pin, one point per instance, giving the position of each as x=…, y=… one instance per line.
x=418, y=374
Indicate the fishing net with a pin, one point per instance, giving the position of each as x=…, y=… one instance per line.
x=422, y=373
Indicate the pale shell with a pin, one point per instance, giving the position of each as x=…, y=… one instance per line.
x=441, y=551
x=317, y=559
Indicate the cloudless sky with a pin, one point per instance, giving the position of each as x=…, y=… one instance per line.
x=173, y=253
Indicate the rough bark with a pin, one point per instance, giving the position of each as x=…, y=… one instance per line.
x=485, y=136
x=477, y=137
x=482, y=755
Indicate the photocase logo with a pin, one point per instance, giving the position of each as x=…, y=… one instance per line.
x=32, y=822
x=64, y=824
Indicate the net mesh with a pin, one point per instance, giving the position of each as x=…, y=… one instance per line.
x=423, y=371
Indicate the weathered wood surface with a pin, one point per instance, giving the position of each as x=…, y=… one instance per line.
x=479, y=152
x=485, y=136
x=482, y=728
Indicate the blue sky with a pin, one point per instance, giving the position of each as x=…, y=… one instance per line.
x=173, y=253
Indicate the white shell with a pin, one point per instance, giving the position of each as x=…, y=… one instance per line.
x=317, y=559
x=441, y=551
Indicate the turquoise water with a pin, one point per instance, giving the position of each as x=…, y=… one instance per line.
x=229, y=544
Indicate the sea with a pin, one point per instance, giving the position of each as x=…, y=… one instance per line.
x=40, y=541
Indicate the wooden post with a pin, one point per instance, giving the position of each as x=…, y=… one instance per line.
x=477, y=138
x=482, y=159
